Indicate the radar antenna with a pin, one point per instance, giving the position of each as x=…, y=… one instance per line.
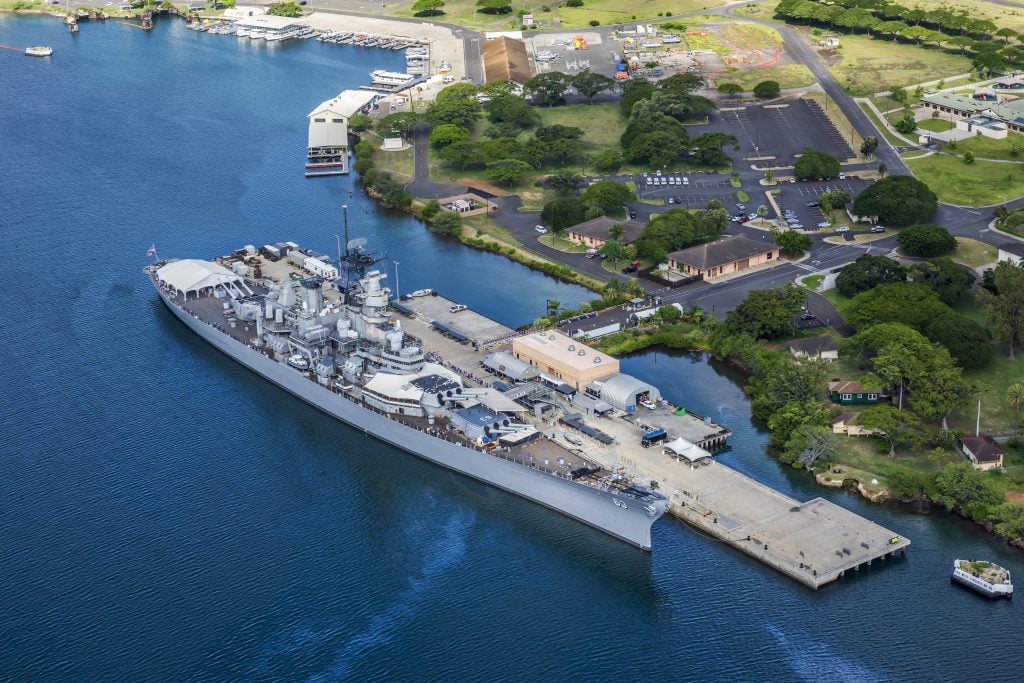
x=355, y=260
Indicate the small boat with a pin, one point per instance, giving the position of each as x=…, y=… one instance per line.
x=986, y=578
x=422, y=292
x=299, y=362
x=39, y=51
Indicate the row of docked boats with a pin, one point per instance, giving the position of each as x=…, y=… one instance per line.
x=230, y=28
x=365, y=40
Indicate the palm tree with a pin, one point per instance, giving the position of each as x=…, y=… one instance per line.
x=1015, y=395
x=978, y=388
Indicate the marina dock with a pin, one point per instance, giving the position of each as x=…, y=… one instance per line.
x=814, y=542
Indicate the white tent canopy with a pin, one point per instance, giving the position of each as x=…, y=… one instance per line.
x=193, y=275
x=685, y=449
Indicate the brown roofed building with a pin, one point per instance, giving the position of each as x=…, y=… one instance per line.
x=505, y=59
x=723, y=257
x=983, y=451
x=595, y=232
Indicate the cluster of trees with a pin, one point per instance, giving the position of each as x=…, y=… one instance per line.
x=572, y=207
x=285, y=9
x=927, y=240
x=655, y=133
x=380, y=184
x=427, y=8
x=680, y=228
x=956, y=30
x=897, y=200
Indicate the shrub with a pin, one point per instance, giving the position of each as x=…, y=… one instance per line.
x=595, y=22
x=927, y=239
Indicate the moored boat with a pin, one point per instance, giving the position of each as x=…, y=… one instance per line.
x=39, y=51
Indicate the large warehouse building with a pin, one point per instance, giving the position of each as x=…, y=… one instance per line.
x=563, y=358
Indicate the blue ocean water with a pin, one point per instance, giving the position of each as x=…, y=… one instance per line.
x=167, y=515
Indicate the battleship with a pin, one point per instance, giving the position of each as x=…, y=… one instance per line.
x=329, y=335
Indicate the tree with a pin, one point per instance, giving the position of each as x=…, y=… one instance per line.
x=500, y=149
x=653, y=123
x=548, y=88
x=446, y=223
x=512, y=110
x=462, y=111
x=635, y=90
x=1005, y=309
x=558, y=132
x=401, y=123
x=813, y=165
x=958, y=486
x=967, y=341
x=462, y=154
x=714, y=141
x=767, y=313
x=793, y=416
x=867, y=272
x=767, y=89
x=1015, y=396
x=447, y=134
x=792, y=243
x=902, y=429
x=729, y=89
x=1006, y=33
x=427, y=8
x=927, y=240
x=509, y=171
x=562, y=213
x=898, y=200
x=612, y=197
x=588, y=83
x=564, y=182
x=809, y=445
x=951, y=281
x=359, y=122
x=868, y=145
x=912, y=304
x=658, y=149
x=681, y=84
x=907, y=124
x=608, y=160
x=494, y=6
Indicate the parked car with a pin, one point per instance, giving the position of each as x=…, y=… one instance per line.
x=741, y=206
x=877, y=229
x=670, y=200
x=796, y=226
x=842, y=176
x=541, y=229
x=843, y=228
x=808, y=316
x=458, y=307
x=647, y=403
x=824, y=224
x=632, y=214
x=631, y=268
x=812, y=205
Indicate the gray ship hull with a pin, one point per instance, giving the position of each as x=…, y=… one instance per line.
x=618, y=515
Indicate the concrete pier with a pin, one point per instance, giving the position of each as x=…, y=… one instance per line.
x=814, y=542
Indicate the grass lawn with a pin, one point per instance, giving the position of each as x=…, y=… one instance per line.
x=561, y=244
x=979, y=184
x=602, y=124
x=936, y=125
x=883, y=131
x=973, y=253
x=787, y=76
x=838, y=300
x=987, y=148
x=742, y=196
x=1011, y=17
x=812, y=282
x=860, y=454
x=996, y=412
x=398, y=164
x=868, y=66
x=614, y=12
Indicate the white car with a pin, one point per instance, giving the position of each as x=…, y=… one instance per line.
x=457, y=307
x=843, y=228
x=541, y=229
x=686, y=181
x=651, y=405
x=824, y=224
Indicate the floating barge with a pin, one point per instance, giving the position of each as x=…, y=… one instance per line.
x=986, y=578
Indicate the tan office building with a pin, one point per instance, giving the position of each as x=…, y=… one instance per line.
x=563, y=358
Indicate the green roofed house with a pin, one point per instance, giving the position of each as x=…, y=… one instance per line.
x=848, y=393
x=988, y=115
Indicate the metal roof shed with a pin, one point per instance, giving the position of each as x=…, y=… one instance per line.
x=621, y=391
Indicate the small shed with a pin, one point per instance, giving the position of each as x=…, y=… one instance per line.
x=830, y=40
x=393, y=144
x=983, y=451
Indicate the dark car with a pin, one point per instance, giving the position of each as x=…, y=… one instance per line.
x=632, y=214
x=808, y=316
x=877, y=229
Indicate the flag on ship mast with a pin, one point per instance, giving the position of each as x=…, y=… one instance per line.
x=151, y=251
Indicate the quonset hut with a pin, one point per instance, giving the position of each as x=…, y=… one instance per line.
x=507, y=365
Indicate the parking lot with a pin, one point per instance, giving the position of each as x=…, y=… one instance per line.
x=781, y=130
x=795, y=197
x=598, y=55
x=688, y=189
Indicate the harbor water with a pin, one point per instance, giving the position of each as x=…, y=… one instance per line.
x=167, y=515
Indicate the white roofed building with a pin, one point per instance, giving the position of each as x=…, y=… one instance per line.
x=193, y=276
x=328, y=127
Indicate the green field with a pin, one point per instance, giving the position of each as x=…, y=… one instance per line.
x=1011, y=148
x=788, y=76
x=868, y=66
x=996, y=412
x=936, y=125
x=812, y=282
x=979, y=184
x=973, y=253
x=613, y=12
x=602, y=124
